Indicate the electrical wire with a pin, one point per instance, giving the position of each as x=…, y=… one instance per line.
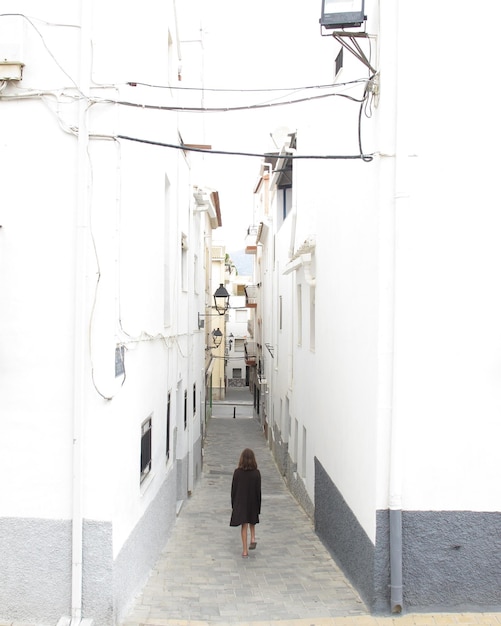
x=250, y=90
x=49, y=52
x=260, y=155
x=181, y=109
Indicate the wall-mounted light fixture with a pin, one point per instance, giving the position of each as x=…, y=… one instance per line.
x=221, y=299
x=217, y=337
x=221, y=304
x=342, y=13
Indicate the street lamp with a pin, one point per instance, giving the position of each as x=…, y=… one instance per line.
x=221, y=304
x=221, y=299
x=342, y=13
x=217, y=337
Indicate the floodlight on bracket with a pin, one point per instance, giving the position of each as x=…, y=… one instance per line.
x=340, y=14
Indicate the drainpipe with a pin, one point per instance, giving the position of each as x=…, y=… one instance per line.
x=80, y=343
x=388, y=163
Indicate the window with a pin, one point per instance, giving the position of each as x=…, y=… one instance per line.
x=119, y=361
x=145, y=448
x=167, y=428
x=338, y=63
x=303, y=455
x=284, y=201
x=237, y=372
x=299, y=316
x=239, y=345
x=194, y=399
x=284, y=183
x=184, y=262
x=241, y=316
x=185, y=408
x=296, y=434
x=312, y=318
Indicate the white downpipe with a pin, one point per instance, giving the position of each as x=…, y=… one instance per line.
x=80, y=341
x=388, y=163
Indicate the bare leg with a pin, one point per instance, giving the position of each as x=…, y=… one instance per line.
x=252, y=545
x=244, y=540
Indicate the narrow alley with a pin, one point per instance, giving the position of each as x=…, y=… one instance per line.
x=200, y=578
x=200, y=574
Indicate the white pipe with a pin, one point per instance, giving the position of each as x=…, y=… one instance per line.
x=80, y=340
x=388, y=177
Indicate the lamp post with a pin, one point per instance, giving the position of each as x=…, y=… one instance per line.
x=342, y=13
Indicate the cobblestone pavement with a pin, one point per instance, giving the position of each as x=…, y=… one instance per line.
x=201, y=579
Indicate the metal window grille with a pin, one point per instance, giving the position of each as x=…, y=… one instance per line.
x=145, y=448
x=167, y=428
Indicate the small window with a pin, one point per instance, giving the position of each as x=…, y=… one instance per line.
x=299, y=316
x=145, y=448
x=184, y=262
x=194, y=399
x=237, y=372
x=338, y=63
x=119, y=361
x=239, y=345
x=167, y=428
x=312, y=318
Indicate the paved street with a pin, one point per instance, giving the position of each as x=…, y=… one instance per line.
x=200, y=577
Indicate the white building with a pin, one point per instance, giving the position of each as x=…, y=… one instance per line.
x=103, y=271
x=380, y=314
x=237, y=332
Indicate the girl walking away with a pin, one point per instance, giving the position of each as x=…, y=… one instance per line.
x=246, y=499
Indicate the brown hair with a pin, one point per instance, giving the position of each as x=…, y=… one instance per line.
x=247, y=460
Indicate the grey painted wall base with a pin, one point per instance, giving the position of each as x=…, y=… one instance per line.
x=35, y=572
x=288, y=469
x=451, y=559
x=139, y=554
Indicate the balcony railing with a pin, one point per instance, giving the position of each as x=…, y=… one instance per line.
x=251, y=240
x=250, y=353
x=251, y=293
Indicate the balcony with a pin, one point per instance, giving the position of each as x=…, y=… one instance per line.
x=251, y=240
x=251, y=293
x=250, y=353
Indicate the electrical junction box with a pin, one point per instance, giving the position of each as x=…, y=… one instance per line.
x=12, y=38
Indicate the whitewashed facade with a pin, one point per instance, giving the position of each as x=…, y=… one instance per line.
x=380, y=306
x=103, y=271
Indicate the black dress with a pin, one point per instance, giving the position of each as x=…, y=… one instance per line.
x=245, y=497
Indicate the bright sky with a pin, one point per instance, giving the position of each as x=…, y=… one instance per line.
x=265, y=45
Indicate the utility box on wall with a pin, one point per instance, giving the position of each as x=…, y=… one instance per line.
x=12, y=39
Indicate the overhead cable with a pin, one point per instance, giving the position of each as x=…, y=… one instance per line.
x=180, y=109
x=364, y=157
